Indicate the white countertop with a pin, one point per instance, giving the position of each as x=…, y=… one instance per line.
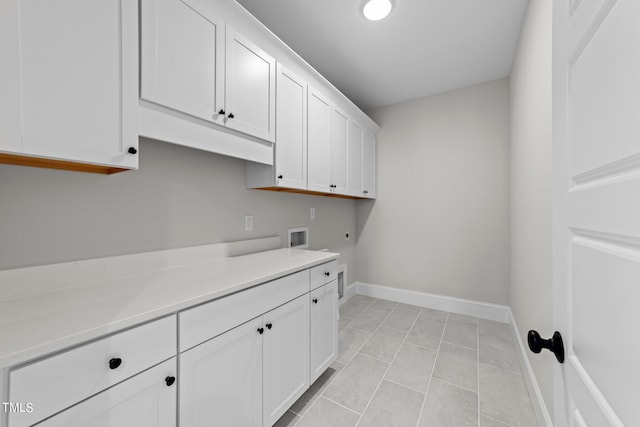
x=41, y=322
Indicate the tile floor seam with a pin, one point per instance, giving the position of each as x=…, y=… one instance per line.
x=404, y=385
x=339, y=404
x=388, y=367
x=359, y=348
x=458, y=345
x=502, y=369
x=313, y=401
x=433, y=369
x=495, y=419
x=458, y=386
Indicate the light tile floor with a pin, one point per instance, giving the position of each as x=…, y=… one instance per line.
x=402, y=365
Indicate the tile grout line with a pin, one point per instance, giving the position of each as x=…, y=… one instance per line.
x=391, y=363
x=433, y=369
x=495, y=419
x=403, y=385
x=340, y=404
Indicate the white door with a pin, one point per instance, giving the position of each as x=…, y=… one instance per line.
x=145, y=400
x=180, y=69
x=221, y=379
x=340, y=151
x=285, y=357
x=251, y=85
x=355, y=159
x=78, y=79
x=368, y=165
x=596, y=143
x=291, y=131
x=324, y=328
x=319, y=142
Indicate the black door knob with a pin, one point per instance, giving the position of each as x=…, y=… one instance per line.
x=221, y=112
x=132, y=150
x=554, y=344
x=115, y=363
x=315, y=300
x=260, y=330
x=269, y=325
x=326, y=273
x=231, y=116
x=279, y=176
x=169, y=381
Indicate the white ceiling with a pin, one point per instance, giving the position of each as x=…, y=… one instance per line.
x=423, y=47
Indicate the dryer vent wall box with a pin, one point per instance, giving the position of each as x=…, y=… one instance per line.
x=299, y=237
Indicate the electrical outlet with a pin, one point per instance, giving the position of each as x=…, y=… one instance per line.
x=312, y=213
x=248, y=222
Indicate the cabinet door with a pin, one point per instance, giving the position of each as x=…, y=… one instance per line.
x=286, y=357
x=340, y=151
x=355, y=159
x=369, y=165
x=250, y=91
x=79, y=80
x=221, y=380
x=291, y=131
x=324, y=328
x=182, y=57
x=319, y=142
x=146, y=400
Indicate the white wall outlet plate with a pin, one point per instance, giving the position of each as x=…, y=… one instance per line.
x=248, y=222
x=312, y=213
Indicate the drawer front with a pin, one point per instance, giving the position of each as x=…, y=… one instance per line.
x=60, y=381
x=202, y=323
x=323, y=273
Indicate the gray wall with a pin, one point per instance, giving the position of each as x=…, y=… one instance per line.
x=530, y=292
x=440, y=223
x=179, y=197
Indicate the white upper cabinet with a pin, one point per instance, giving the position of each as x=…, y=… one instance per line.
x=194, y=63
x=369, y=165
x=339, y=152
x=70, y=75
x=291, y=131
x=319, y=142
x=251, y=86
x=355, y=159
x=180, y=69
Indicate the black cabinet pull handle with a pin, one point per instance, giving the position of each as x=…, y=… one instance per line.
x=170, y=380
x=221, y=112
x=132, y=150
x=115, y=363
x=315, y=300
x=279, y=176
x=326, y=273
x=260, y=330
x=269, y=325
x=231, y=116
x=365, y=192
x=554, y=344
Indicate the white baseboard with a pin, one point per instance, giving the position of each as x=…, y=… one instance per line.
x=542, y=414
x=483, y=310
x=349, y=291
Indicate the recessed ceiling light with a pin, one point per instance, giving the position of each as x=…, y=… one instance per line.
x=376, y=10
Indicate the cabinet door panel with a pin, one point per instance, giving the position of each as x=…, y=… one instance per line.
x=251, y=83
x=10, y=78
x=286, y=357
x=355, y=159
x=182, y=57
x=324, y=328
x=142, y=401
x=221, y=380
x=319, y=142
x=369, y=165
x=291, y=131
x=78, y=62
x=340, y=151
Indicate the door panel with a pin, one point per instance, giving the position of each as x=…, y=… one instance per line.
x=368, y=165
x=355, y=159
x=183, y=70
x=324, y=328
x=597, y=209
x=340, y=151
x=319, y=142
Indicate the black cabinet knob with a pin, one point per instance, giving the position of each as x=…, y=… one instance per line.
x=132, y=150
x=554, y=344
x=170, y=380
x=221, y=112
x=279, y=176
x=365, y=192
x=269, y=325
x=260, y=330
x=315, y=300
x=326, y=273
x=231, y=116
x=115, y=362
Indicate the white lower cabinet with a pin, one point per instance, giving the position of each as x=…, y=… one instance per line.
x=324, y=328
x=145, y=400
x=250, y=375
